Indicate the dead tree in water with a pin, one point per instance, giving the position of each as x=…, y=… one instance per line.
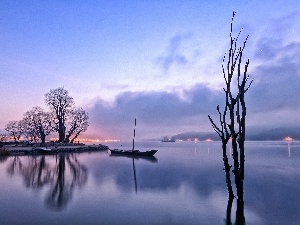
x=225, y=136
x=232, y=119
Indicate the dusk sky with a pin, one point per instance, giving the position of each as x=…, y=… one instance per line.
x=159, y=61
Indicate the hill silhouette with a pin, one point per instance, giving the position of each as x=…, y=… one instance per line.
x=254, y=134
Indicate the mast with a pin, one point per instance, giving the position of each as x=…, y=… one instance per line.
x=133, y=134
x=134, y=173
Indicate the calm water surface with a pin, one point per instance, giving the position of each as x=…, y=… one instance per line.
x=183, y=184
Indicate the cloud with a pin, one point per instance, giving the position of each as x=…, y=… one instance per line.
x=272, y=100
x=276, y=85
x=157, y=112
x=281, y=26
x=174, y=54
x=277, y=77
x=267, y=48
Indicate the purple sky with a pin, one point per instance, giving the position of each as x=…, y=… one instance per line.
x=159, y=61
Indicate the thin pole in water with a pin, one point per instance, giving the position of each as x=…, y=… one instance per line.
x=133, y=134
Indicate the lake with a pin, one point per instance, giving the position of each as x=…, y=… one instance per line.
x=183, y=184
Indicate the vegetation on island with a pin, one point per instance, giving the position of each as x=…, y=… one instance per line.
x=63, y=117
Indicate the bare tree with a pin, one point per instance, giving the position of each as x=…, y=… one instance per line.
x=15, y=129
x=37, y=123
x=232, y=120
x=60, y=103
x=78, y=123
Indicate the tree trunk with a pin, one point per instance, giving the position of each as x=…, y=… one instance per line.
x=43, y=138
x=240, y=186
x=228, y=211
x=235, y=153
x=67, y=139
x=227, y=170
x=61, y=132
x=240, y=217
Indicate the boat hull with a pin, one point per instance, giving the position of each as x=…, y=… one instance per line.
x=133, y=152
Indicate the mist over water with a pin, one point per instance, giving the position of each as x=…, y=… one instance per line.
x=183, y=184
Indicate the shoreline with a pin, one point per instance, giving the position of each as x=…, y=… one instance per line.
x=29, y=150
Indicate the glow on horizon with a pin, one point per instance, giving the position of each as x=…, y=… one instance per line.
x=88, y=140
x=288, y=139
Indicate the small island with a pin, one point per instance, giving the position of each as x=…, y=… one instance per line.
x=29, y=134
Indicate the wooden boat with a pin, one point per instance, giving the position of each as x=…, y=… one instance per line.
x=133, y=152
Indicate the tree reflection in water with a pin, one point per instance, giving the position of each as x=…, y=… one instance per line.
x=65, y=181
x=239, y=216
x=15, y=166
x=62, y=173
x=3, y=158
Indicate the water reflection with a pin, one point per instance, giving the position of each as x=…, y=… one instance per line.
x=289, y=148
x=151, y=159
x=64, y=181
x=35, y=171
x=3, y=158
x=239, y=215
x=180, y=187
x=134, y=175
x=170, y=174
x=61, y=172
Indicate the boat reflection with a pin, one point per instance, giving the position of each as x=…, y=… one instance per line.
x=134, y=175
x=63, y=173
x=152, y=159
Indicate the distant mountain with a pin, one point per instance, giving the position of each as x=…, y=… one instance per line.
x=274, y=134
x=252, y=134
x=201, y=136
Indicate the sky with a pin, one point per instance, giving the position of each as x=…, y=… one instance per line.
x=159, y=61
